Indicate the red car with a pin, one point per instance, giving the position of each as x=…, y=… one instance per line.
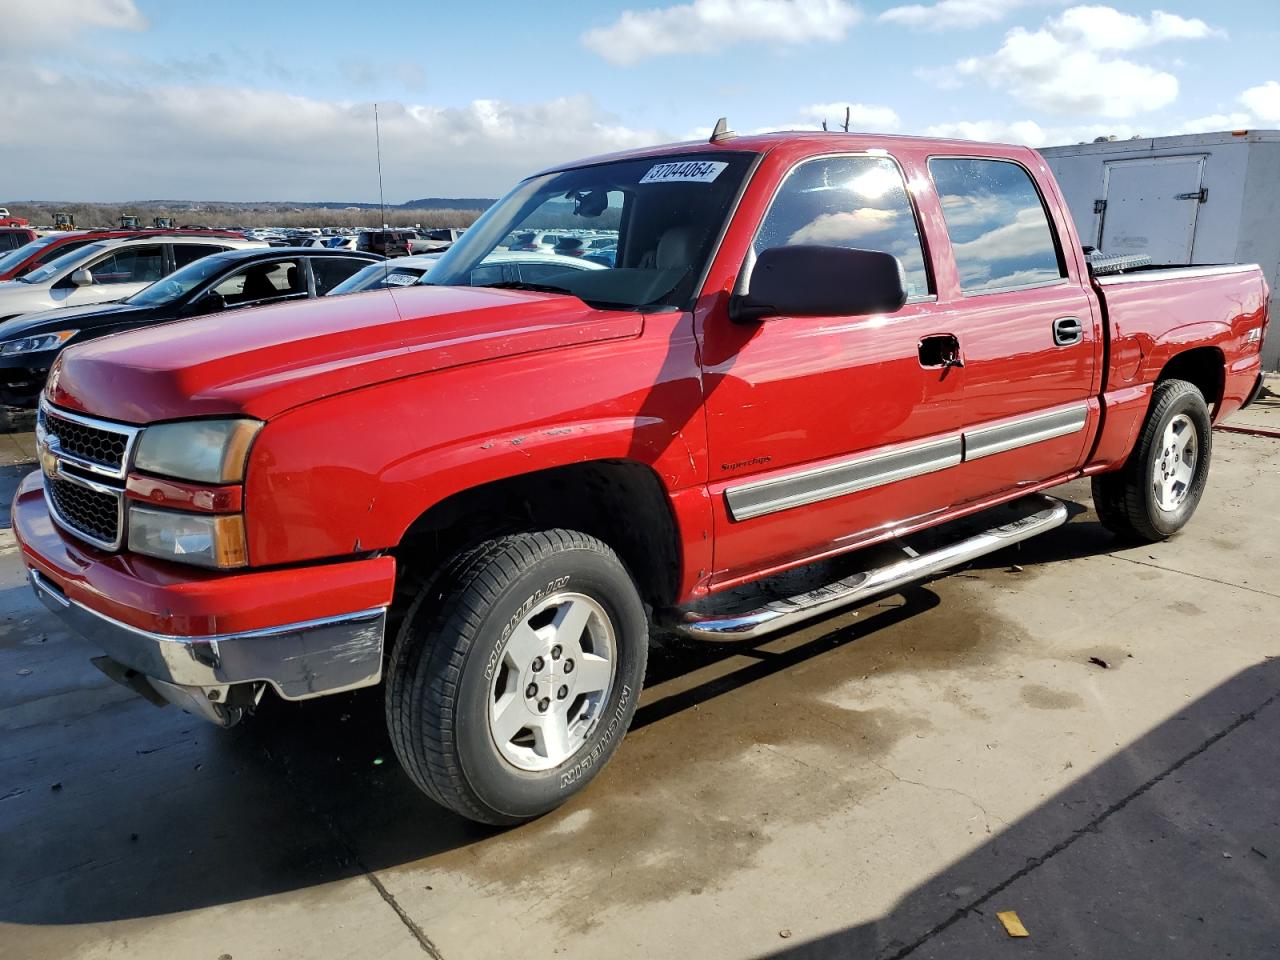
x=482, y=491
x=11, y=238
x=37, y=252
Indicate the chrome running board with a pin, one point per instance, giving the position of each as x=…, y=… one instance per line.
x=1047, y=514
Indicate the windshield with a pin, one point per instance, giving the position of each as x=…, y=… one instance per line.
x=64, y=262
x=179, y=283
x=15, y=257
x=663, y=213
x=376, y=276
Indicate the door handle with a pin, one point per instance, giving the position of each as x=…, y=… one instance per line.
x=940, y=350
x=1067, y=331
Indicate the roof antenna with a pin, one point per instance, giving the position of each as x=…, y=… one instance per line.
x=382, y=204
x=847, y=110
x=722, y=131
x=824, y=124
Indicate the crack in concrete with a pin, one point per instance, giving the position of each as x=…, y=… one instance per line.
x=1197, y=576
x=988, y=816
x=1035, y=863
x=348, y=848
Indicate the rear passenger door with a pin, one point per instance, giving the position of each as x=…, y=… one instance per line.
x=1025, y=324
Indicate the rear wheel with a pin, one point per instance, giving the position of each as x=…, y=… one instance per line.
x=1158, y=489
x=516, y=674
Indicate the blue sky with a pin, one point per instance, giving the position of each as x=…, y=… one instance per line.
x=132, y=99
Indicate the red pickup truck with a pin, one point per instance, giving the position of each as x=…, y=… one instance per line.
x=484, y=490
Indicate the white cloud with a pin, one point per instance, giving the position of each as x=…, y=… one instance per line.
x=1025, y=132
x=1068, y=67
x=1105, y=28
x=950, y=14
x=846, y=228
x=222, y=142
x=1210, y=124
x=863, y=117
x=38, y=24
x=1264, y=101
x=706, y=25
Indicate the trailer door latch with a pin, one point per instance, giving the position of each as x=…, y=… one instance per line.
x=1201, y=195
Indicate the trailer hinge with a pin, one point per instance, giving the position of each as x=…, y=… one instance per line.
x=1201, y=195
x=1099, y=206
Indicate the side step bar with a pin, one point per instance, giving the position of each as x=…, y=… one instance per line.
x=781, y=614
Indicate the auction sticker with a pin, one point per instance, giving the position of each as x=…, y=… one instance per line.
x=686, y=171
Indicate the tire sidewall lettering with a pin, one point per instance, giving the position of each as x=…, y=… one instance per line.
x=495, y=654
x=603, y=740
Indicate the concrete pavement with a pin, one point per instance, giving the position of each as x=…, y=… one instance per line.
x=876, y=785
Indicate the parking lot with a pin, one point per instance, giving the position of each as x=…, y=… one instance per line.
x=1083, y=734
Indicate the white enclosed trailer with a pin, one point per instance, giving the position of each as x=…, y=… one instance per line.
x=1203, y=198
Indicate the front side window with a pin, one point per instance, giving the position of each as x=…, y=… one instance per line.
x=1000, y=232
x=140, y=264
x=664, y=213
x=855, y=202
x=263, y=281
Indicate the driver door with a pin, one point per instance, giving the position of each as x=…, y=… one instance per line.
x=826, y=430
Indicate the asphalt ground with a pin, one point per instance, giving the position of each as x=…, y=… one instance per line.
x=1086, y=735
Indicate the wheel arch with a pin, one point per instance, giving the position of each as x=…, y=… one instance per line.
x=1202, y=367
x=621, y=502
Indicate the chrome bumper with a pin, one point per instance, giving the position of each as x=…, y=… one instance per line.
x=300, y=660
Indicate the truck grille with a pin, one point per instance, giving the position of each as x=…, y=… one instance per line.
x=85, y=461
x=85, y=511
x=95, y=444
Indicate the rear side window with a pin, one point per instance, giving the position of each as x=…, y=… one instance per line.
x=999, y=229
x=331, y=271
x=184, y=253
x=856, y=202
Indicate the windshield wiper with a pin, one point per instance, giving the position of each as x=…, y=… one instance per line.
x=524, y=285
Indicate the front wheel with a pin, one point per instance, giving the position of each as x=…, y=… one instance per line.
x=516, y=674
x=1158, y=489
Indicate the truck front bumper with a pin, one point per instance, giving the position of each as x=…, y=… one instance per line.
x=194, y=635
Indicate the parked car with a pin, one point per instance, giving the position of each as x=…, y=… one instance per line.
x=400, y=272
x=795, y=357
x=435, y=240
x=106, y=270
x=533, y=241
x=216, y=283
x=42, y=250
x=11, y=238
x=389, y=243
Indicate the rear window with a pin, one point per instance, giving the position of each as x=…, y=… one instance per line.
x=999, y=229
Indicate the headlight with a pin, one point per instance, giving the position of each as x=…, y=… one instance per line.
x=42, y=341
x=204, y=451
x=207, y=540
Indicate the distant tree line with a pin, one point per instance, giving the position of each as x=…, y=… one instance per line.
x=87, y=215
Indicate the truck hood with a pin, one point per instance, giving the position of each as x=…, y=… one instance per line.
x=262, y=361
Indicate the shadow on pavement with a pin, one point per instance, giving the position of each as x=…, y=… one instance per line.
x=1169, y=849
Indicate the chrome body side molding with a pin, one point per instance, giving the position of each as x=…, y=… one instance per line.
x=758, y=498
x=762, y=497
x=985, y=441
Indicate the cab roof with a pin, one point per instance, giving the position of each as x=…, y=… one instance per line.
x=818, y=140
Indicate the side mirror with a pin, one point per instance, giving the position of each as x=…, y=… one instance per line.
x=210, y=303
x=82, y=277
x=817, y=281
